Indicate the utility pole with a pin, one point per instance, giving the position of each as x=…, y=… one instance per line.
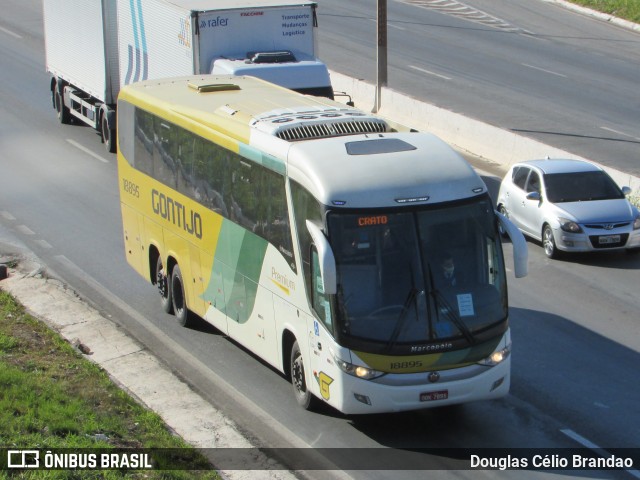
x=381, y=78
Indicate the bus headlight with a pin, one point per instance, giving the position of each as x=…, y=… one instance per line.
x=357, y=370
x=497, y=357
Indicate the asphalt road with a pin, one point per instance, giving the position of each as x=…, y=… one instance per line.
x=574, y=322
x=530, y=67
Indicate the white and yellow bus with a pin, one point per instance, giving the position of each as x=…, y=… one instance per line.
x=313, y=234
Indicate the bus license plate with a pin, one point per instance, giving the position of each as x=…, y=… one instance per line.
x=433, y=396
x=607, y=239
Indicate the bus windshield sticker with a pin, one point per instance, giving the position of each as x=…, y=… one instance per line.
x=465, y=305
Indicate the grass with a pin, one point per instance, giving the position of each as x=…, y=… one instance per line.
x=52, y=397
x=626, y=9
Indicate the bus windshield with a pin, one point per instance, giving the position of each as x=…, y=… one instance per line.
x=419, y=276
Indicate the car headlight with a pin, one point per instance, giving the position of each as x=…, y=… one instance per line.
x=357, y=370
x=636, y=223
x=496, y=357
x=569, y=226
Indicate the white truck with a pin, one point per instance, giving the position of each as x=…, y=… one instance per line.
x=95, y=47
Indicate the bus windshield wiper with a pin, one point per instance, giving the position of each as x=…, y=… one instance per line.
x=450, y=313
x=402, y=318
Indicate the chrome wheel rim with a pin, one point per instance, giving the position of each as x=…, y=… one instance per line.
x=549, y=247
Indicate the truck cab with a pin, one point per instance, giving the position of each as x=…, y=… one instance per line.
x=298, y=72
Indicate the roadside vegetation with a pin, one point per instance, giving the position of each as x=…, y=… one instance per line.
x=626, y=9
x=53, y=398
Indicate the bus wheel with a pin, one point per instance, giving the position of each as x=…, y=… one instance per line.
x=178, y=297
x=162, y=282
x=303, y=395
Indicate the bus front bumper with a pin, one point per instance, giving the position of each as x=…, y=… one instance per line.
x=362, y=396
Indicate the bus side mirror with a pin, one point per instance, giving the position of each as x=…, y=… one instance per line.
x=325, y=257
x=520, y=251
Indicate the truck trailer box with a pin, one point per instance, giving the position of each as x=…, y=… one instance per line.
x=93, y=47
x=81, y=45
x=273, y=40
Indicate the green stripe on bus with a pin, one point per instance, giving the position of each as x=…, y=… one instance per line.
x=268, y=161
x=236, y=271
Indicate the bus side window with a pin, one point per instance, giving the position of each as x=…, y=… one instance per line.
x=319, y=300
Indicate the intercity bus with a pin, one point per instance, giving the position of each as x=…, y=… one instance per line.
x=312, y=233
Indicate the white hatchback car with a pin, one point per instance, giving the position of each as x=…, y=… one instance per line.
x=569, y=205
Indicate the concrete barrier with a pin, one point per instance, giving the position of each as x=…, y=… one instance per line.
x=469, y=135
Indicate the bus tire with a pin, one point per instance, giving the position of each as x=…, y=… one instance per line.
x=178, y=298
x=303, y=395
x=162, y=282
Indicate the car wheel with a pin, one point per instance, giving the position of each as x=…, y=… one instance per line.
x=549, y=242
x=503, y=211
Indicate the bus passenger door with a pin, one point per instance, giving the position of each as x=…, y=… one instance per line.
x=323, y=369
x=250, y=317
x=214, y=294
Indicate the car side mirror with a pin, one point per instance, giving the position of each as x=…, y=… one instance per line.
x=534, y=196
x=626, y=191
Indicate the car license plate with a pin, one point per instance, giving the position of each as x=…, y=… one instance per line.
x=432, y=396
x=606, y=239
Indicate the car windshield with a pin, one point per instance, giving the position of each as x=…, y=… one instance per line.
x=581, y=187
x=418, y=276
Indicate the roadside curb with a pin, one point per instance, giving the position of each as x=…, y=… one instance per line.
x=593, y=13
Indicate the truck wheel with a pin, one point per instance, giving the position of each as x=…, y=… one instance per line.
x=178, y=297
x=108, y=135
x=64, y=116
x=303, y=395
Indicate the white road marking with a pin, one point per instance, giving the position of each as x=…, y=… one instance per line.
x=7, y=216
x=592, y=446
x=466, y=12
x=44, y=244
x=619, y=133
x=388, y=24
x=25, y=230
x=87, y=151
x=428, y=72
x=9, y=32
x=544, y=70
